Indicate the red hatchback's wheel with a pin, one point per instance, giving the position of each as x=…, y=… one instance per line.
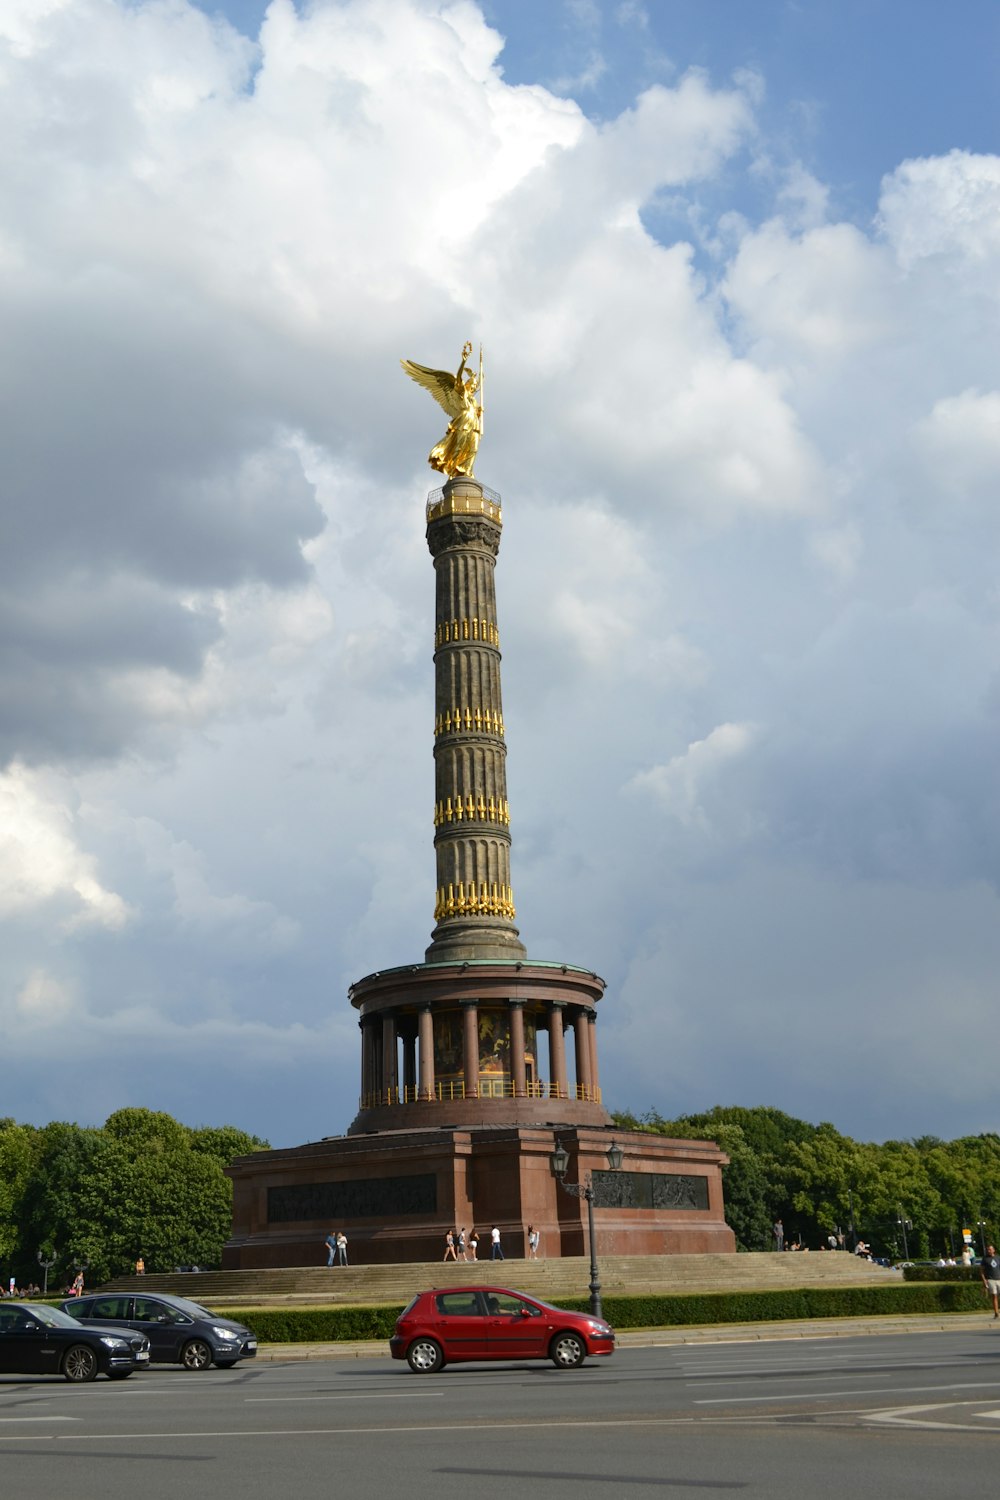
x=424, y=1357
x=567, y=1350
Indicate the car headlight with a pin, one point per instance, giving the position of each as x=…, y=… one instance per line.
x=600, y=1328
x=111, y=1342
x=225, y=1333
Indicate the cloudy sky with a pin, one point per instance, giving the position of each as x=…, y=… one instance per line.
x=737, y=272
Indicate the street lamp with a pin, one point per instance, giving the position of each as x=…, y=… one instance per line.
x=559, y=1162
x=46, y=1267
x=904, y=1225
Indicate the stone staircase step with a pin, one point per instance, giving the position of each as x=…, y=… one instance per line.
x=566, y=1277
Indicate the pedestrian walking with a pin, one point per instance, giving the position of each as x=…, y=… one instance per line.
x=533, y=1238
x=473, y=1244
x=460, y=1244
x=449, y=1241
x=989, y=1270
x=496, y=1249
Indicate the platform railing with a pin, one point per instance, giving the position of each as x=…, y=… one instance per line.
x=489, y=1088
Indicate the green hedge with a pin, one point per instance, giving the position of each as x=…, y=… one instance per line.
x=303, y=1325
x=942, y=1273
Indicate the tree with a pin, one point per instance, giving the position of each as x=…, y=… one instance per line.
x=143, y=1184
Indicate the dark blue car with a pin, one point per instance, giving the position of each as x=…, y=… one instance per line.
x=179, y=1331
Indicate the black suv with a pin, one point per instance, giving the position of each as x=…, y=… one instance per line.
x=179, y=1331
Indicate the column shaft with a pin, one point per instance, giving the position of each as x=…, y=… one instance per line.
x=581, y=1039
x=517, y=1063
x=557, y=1052
x=594, y=1080
x=389, y=1067
x=426, y=1034
x=470, y=1047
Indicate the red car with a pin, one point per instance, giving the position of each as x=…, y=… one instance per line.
x=491, y=1322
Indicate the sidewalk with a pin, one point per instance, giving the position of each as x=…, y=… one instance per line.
x=715, y=1333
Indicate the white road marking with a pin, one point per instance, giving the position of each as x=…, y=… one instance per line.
x=336, y=1396
x=241, y=1435
x=969, y=1385
x=41, y=1419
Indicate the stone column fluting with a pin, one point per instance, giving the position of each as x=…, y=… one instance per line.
x=474, y=905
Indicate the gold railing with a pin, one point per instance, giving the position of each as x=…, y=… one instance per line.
x=487, y=504
x=489, y=1088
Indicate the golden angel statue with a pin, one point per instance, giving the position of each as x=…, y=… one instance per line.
x=456, y=452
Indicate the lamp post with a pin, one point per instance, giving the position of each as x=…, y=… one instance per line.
x=904, y=1224
x=559, y=1162
x=46, y=1266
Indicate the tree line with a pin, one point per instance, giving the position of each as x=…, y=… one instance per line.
x=903, y=1198
x=98, y=1198
x=142, y=1184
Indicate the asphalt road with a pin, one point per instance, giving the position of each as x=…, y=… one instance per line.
x=913, y=1415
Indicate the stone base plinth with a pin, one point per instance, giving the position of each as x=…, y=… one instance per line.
x=396, y=1193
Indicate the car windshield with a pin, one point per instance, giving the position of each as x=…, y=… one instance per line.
x=537, y=1302
x=193, y=1309
x=51, y=1316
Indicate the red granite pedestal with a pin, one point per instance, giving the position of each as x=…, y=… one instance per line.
x=396, y=1193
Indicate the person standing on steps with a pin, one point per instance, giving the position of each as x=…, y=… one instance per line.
x=779, y=1235
x=473, y=1243
x=331, y=1247
x=342, y=1248
x=496, y=1249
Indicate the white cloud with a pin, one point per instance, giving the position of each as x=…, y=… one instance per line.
x=684, y=787
x=944, y=206
x=748, y=487
x=960, y=439
x=41, y=863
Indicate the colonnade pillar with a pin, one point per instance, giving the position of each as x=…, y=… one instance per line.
x=389, y=1065
x=518, y=1070
x=592, y=1038
x=557, y=1050
x=425, y=1034
x=409, y=1064
x=470, y=1047
x=367, y=1061
x=581, y=1040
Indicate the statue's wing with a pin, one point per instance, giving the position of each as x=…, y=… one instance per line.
x=440, y=383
